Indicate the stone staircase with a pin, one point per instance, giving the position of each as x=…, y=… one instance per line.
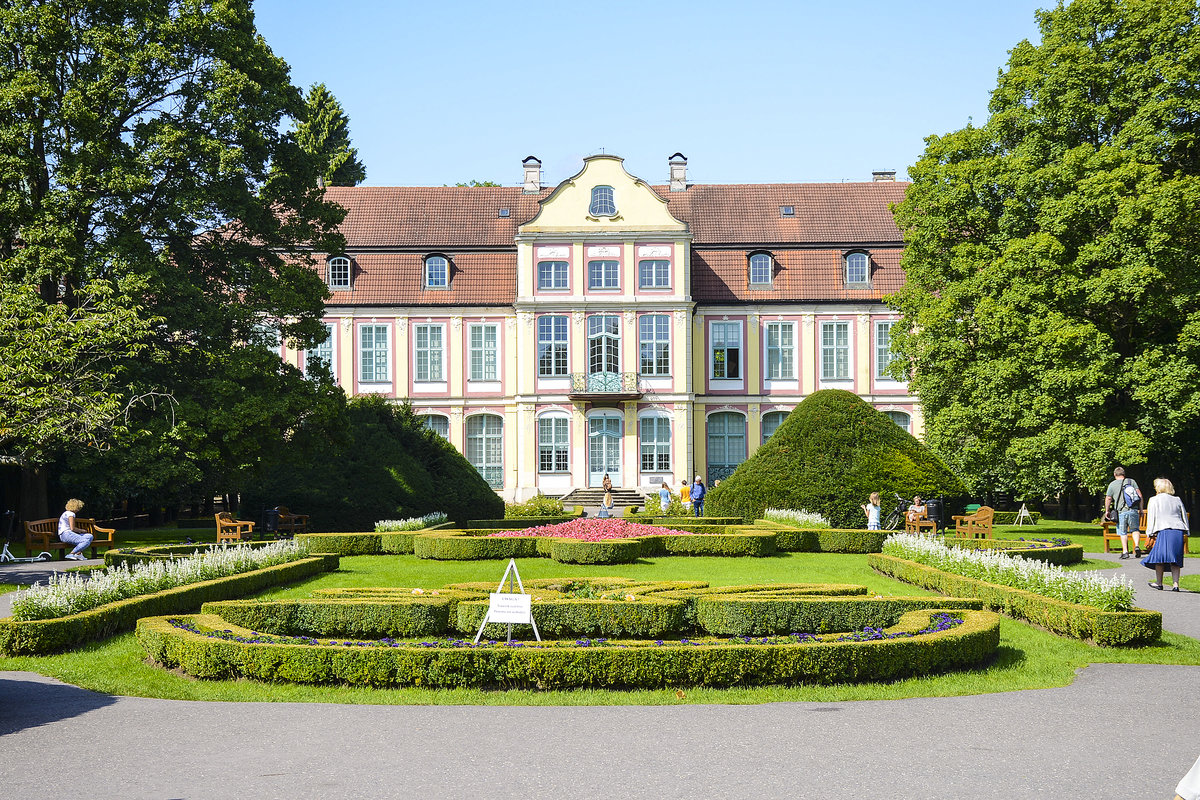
x=591, y=498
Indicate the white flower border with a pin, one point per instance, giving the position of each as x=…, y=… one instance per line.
x=410, y=524
x=801, y=519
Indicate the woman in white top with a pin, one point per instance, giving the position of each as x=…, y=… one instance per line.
x=67, y=532
x=1167, y=521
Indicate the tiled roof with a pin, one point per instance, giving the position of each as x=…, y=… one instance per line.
x=723, y=276
x=399, y=279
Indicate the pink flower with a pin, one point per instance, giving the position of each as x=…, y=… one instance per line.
x=594, y=530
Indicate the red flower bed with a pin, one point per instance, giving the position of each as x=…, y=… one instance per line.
x=594, y=530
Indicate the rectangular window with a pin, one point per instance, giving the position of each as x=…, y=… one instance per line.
x=883, y=348
x=654, y=274
x=603, y=275
x=726, y=350
x=654, y=338
x=552, y=346
x=321, y=354
x=553, y=446
x=656, y=444
x=781, y=351
x=835, y=350
x=429, y=347
x=483, y=353
x=373, y=353
x=552, y=275
x=437, y=272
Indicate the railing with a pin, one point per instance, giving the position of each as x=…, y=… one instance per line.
x=604, y=383
x=719, y=472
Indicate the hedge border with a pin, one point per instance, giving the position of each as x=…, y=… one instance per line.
x=639, y=665
x=43, y=636
x=162, y=552
x=1107, y=628
x=1062, y=556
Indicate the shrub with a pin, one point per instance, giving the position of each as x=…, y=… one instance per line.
x=829, y=541
x=410, y=524
x=536, y=506
x=389, y=467
x=830, y=453
x=1010, y=517
x=674, y=508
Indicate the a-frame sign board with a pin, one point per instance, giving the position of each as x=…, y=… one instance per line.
x=1024, y=516
x=514, y=608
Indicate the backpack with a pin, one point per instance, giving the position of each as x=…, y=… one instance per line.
x=1129, y=494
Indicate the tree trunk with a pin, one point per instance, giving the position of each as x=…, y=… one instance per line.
x=35, y=503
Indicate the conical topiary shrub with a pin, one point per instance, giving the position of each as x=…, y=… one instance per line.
x=830, y=453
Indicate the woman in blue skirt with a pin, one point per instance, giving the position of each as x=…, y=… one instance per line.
x=1165, y=519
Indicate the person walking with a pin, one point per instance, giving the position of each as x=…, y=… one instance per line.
x=1124, y=496
x=872, y=508
x=1167, y=521
x=698, y=493
x=685, y=496
x=664, y=497
x=67, y=532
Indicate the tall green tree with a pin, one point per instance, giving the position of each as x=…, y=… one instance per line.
x=324, y=133
x=1052, y=302
x=143, y=161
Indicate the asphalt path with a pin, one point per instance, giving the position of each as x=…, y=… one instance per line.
x=1119, y=731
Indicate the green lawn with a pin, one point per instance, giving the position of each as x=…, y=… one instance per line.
x=1084, y=533
x=1028, y=658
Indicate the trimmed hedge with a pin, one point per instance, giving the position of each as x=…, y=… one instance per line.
x=518, y=523
x=163, y=552
x=607, y=551
x=416, y=616
x=1107, y=628
x=1066, y=554
x=1010, y=517
x=828, y=540
x=636, y=665
x=732, y=615
x=42, y=636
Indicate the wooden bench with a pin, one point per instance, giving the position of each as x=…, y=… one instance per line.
x=42, y=535
x=920, y=524
x=974, y=526
x=1109, y=532
x=291, y=523
x=233, y=530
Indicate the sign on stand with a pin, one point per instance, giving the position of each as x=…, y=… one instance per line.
x=511, y=607
x=1024, y=516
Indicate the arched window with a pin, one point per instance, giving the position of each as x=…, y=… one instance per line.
x=439, y=424
x=761, y=269
x=771, y=422
x=437, y=272
x=901, y=419
x=603, y=202
x=726, y=444
x=339, y=273
x=857, y=268
x=485, y=447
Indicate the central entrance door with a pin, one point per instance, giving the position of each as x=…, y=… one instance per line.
x=604, y=449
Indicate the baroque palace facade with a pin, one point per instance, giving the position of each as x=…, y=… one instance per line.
x=607, y=325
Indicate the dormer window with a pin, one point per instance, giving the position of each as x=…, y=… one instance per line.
x=603, y=202
x=437, y=272
x=338, y=276
x=787, y=211
x=858, y=269
x=762, y=267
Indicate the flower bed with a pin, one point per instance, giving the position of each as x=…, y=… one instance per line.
x=593, y=530
x=798, y=519
x=1051, y=551
x=411, y=523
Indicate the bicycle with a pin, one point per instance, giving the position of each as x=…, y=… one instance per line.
x=896, y=518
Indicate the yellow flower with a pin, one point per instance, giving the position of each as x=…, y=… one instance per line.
x=630, y=597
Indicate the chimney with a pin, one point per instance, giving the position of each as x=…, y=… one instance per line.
x=678, y=166
x=533, y=175
x=884, y=175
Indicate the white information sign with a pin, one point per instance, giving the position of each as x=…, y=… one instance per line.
x=1024, y=516
x=511, y=608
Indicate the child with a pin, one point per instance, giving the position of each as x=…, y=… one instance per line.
x=685, y=497
x=871, y=509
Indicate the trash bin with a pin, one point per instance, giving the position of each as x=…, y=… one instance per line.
x=937, y=512
x=271, y=522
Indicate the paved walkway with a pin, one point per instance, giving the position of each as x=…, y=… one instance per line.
x=1119, y=731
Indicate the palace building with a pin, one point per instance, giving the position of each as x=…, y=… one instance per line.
x=607, y=325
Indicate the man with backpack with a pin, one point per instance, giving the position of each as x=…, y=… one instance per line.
x=1125, y=498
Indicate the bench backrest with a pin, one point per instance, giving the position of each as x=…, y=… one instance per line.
x=983, y=516
x=42, y=526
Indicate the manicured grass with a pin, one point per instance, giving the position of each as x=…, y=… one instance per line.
x=1084, y=533
x=1028, y=658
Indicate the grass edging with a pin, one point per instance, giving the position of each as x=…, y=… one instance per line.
x=1107, y=628
x=44, y=636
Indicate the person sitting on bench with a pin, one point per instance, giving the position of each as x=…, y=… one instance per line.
x=67, y=532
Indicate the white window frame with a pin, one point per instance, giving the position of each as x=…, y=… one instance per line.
x=380, y=360
x=883, y=348
x=862, y=262
x=334, y=269
x=483, y=368
x=602, y=204
x=326, y=345
x=907, y=426
x=558, y=273
x=656, y=447
x=476, y=448
x=430, y=261
x=835, y=355
x=659, y=345
x=604, y=269
x=427, y=356
x=782, y=416
x=438, y=428
x=658, y=270
x=548, y=338
x=554, y=443
x=762, y=266
x=781, y=356
x=725, y=346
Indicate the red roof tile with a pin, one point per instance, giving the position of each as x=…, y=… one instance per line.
x=723, y=276
x=386, y=279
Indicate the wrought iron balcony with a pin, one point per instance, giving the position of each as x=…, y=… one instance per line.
x=604, y=386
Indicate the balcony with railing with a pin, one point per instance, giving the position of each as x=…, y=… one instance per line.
x=600, y=387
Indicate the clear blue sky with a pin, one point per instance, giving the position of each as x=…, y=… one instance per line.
x=808, y=90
